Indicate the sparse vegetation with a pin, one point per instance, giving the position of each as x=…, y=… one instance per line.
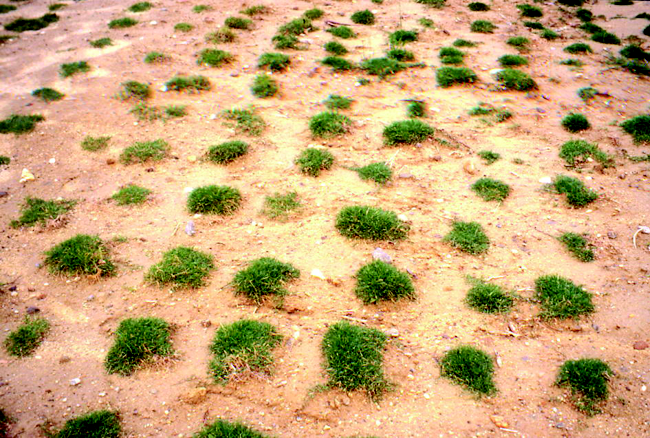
x=256, y=10
x=155, y=57
x=214, y=57
x=638, y=127
x=131, y=195
x=336, y=102
x=432, y=3
x=575, y=122
x=221, y=35
x=140, y=7
x=27, y=24
x=426, y=22
x=182, y=267
x=401, y=37
x=468, y=237
x=121, y=23
x=354, y=358
x=489, y=156
x=212, y=199
x=19, y=124
x=463, y=43
x=572, y=62
x=183, y=27
x=141, y=152
x=584, y=15
x=80, y=255
x=516, y=80
x=634, y=51
x=138, y=341
x=363, y=17
x=488, y=298
x=491, y=189
x=201, y=8
x=246, y=121
x=519, y=42
x=226, y=429
x=377, y=172
x=329, y=124
x=72, y=68
x=576, y=48
x=27, y=337
x=312, y=161
x=575, y=152
x=588, y=381
x=530, y=11
x=587, y=93
x=512, y=61
x=227, y=152
x=482, y=26
x=335, y=48
x=191, y=84
x=379, y=281
x=134, y=90
x=478, y=7
x=448, y=76
x=561, y=298
x=577, y=194
x=407, y=132
x=363, y=222
x=264, y=276
x=549, y=34
x=238, y=23
x=279, y=206
x=36, y=210
x=337, y=63
x=416, y=109
x=93, y=144
x=6, y=8
x=400, y=55
x=578, y=246
x=48, y=94
x=342, y=32
x=469, y=367
x=264, y=86
x=101, y=43
x=96, y=424
x=274, y=61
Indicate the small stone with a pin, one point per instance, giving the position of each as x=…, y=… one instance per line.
x=403, y=217
x=32, y=310
x=346, y=400
x=26, y=175
x=380, y=254
x=318, y=274
x=207, y=323
x=192, y=158
x=546, y=180
x=3, y=194
x=499, y=421
x=405, y=175
x=612, y=235
x=195, y=396
x=436, y=158
x=392, y=332
x=640, y=345
x=76, y=381
x=469, y=167
x=110, y=161
x=189, y=228
x=64, y=359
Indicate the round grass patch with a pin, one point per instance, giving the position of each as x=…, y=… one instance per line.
x=222, y=200
x=469, y=367
x=363, y=222
x=380, y=281
x=181, y=267
x=80, y=255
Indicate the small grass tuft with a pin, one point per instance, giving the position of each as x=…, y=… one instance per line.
x=587, y=93
x=572, y=62
x=451, y=55
x=478, y=7
x=575, y=152
x=426, y=22
x=140, y=7
x=256, y=10
x=534, y=25
x=264, y=276
x=246, y=121
x=605, y=38
x=377, y=172
x=279, y=206
x=134, y=90
x=549, y=34
x=516, y=80
x=27, y=24
x=400, y=55
x=519, y=42
x=482, y=26
x=183, y=27
x=100, y=43
x=227, y=429
x=416, y=110
x=577, y=194
x=296, y=27
x=634, y=51
x=584, y=15
x=94, y=144
x=379, y=281
x=468, y=237
x=138, y=341
x=463, y=43
x=7, y=8
x=245, y=346
x=182, y=267
x=342, y=32
x=491, y=189
x=214, y=57
x=382, y=67
x=36, y=210
x=5, y=421
x=131, y=194
x=591, y=28
x=512, y=61
x=144, y=151
x=227, y=152
x=313, y=14
x=638, y=127
x=438, y=4
x=96, y=424
x=587, y=379
x=329, y=124
x=363, y=17
x=212, y=199
x=4, y=160
x=401, y=37
x=221, y=35
x=155, y=57
x=530, y=11
x=18, y=124
x=363, y=222
x=264, y=86
x=489, y=156
x=337, y=63
x=274, y=61
x=312, y=161
x=561, y=298
x=576, y=48
x=27, y=337
x=48, y=94
x=191, y=84
x=72, y=68
x=448, y=76
x=80, y=255
x=121, y=23
x=575, y=122
x=469, y=367
x=407, y=132
x=336, y=102
x=335, y=48
x=578, y=246
x=354, y=358
x=488, y=298
x=198, y=9
x=238, y=23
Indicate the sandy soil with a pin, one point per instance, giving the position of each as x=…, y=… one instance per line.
x=432, y=190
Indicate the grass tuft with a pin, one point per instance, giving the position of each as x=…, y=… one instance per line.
x=335, y=48
x=575, y=152
x=379, y=281
x=227, y=152
x=519, y=42
x=274, y=61
x=198, y=9
x=491, y=189
x=96, y=424
x=468, y=237
x=448, y=76
x=469, y=367
x=245, y=346
x=416, y=110
x=577, y=194
x=572, y=62
x=363, y=222
x=4, y=9
x=221, y=35
x=72, y=68
x=131, y=194
x=4, y=160
x=478, y=7
x=401, y=37
x=27, y=24
x=134, y=90
x=488, y=298
x=137, y=342
x=363, y=17
x=490, y=157
x=336, y=102
x=226, y=429
x=382, y=67
x=578, y=246
x=587, y=379
x=354, y=358
x=191, y=84
x=451, y=55
x=212, y=199
x=214, y=57
x=93, y=144
x=438, y=4
x=638, y=127
x=512, y=61
x=141, y=152
x=246, y=121
x=329, y=124
x=183, y=27
x=530, y=11
x=296, y=27
x=534, y=25
x=48, y=94
x=377, y=172
x=27, y=337
x=182, y=267
x=155, y=57
x=342, y=32
x=238, y=23
x=264, y=276
x=140, y=7
x=578, y=48
x=463, y=43
x=407, y=132
x=560, y=298
x=312, y=161
x=604, y=37
x=482, y=26
x=264, y=86
x=18, y=124
x=516, y=80
x=80, y=255
x=313, y=14
x=400, y=55
x=121, y=23
x=36, y=210
x=256, y=10
x=279, y=206
x=575, y=122
x=337, y=63
x=587, y=93
x=584, y=15
x=634, y=51
x=549, y=34
x=100, y=43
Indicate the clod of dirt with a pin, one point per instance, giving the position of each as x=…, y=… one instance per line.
x=640, y=345
x=195, y=396
x=32, y=309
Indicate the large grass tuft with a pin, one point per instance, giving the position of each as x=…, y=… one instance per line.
x=491, y=189
x=577, y=194
x=448, y=76
x=561, y=298
x=407, y=132
x=48, y=94
x=575, y=152
x=264, y=276
x=638, y=127
x=380, y=281
x=587, y=379
x=575, y=122
x=96, y=424
x=329, y=124
x=274, y=61
x=182, y=267
x=80, y=255
x=578, y=246
x=488, y=298
x=516, y=80
x=363, y=222
x=18, y=124
x=225, y=429
x=469, y=367
x=213, y=199
x=227, y=152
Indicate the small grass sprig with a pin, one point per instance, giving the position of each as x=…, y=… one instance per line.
x=578, y=246
x=516, y=80
x=131, y=195
x=80, y=255
x=377, y=172
x=279, y=205
x=469, y=367
x=560, y=298
x=94, y=144
x=482, y=26
x=488, y=298
x=468, y=237
x=227, y=152
x=48, y=94
x=134, y=90
x=27, y=337
x=238, y=23
x=246, y=121
x=264, y=276
x=36, y=210
x=364, y=222
x=181, y=267
x=335, y=48
x=144, y=151
x=491, y=189
x=576, y=48
x=140, y=7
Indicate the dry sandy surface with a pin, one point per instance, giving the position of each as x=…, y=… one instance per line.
x=431, y=187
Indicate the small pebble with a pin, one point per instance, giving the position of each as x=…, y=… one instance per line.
x=76, y=381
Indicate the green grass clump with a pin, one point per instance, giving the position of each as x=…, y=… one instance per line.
x=591, y=28
x=587, y=379
x=264, y=86
x=183, y=27
x=426, y=22
x=80, y=255
x=255, y=10
x=575, y=152
x=634, y=51
x=201, y=8
x=278, y=206
x=482, y=26
x=336, y=102
x=549, y=34
x=312, y=161
x=574, y=3
x=606, y=38
x=6, y=8
x=363, y=222
x=241, y=347
x=577, y=194
x=534, y=25
x=335, y=48
x=432, y=3
x=416, y=109
x=401, y=37
x=274, y=61
x=4, y=160
x=584, y=15
x=212, y=199
x=469, y=367
x=481, y=110
x=264, y=276
x=313, y=14
x=516, y=80
x=130, y=195
x=448, y=76
x=36, y=210
x=144, y=151
x=575, y=122
x=121, y=23
x=337, y=63
x=354, y=358
x=377, y=172
x=638, y=127
x=463, y=43
x=342, y=32
x=451, y=55
x=191, y=84
x=488, y=298
x=5, y=421
x=227, y=152
x=578, y=48
x=27, y=338
x=363, y=17
x=643, y=15
x=518, y=42
x=379, y=281
x=329, y=124
x=407, y=132
x=134, y=90
x=101, y=42
x=93, y=144
x=468, y=237
x=400, y=55
x=140, y=7
x=137, y=342
x=26, y=24
x=182, y=267
x=512, y=61
x=155, y=57
x=96, y=424
x=572, y=62
x=561, y=298
x=296, y=27
x=222, y=35
x=382, y=67
x=489, y=156
x=222, y=428
x=491, y=189
x=282, y=42
x=48, y=94
x=72, y=68
x=238, y=23
x=530, y=11
x=478, y=7
x=587, y=93
x=246, y=121
x=578, y=246
x=18, y=124
x=214, y=57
